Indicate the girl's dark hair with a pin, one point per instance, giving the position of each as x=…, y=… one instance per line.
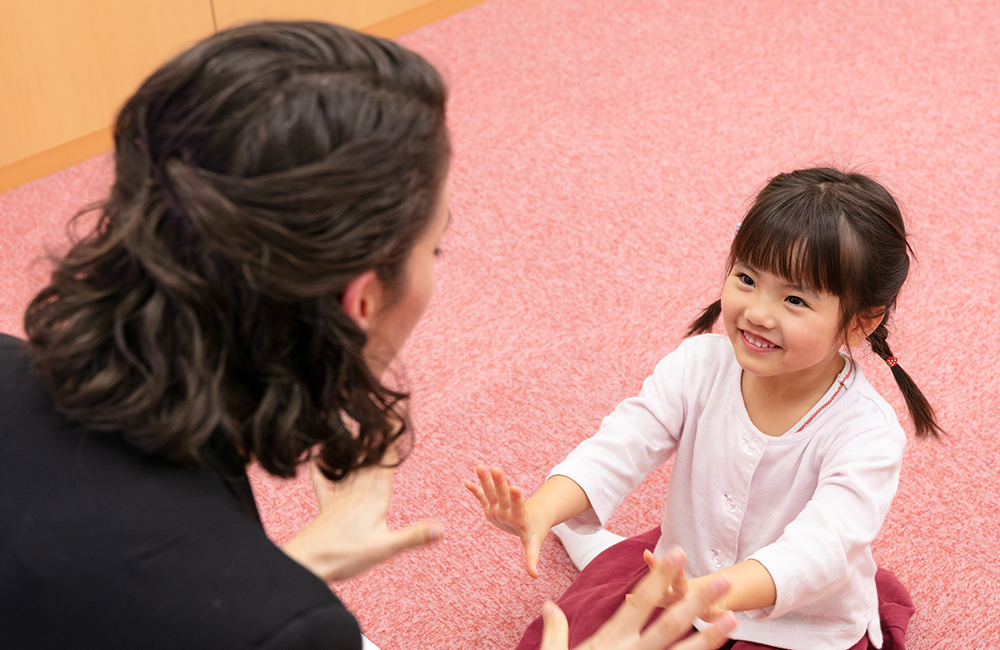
x=839, y=233
x=257, y=174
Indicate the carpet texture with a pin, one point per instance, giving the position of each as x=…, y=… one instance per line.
x=603, y=153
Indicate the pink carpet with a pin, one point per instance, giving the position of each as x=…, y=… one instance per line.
x=604, y=151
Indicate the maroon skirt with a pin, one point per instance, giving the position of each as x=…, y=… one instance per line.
x=601, y=587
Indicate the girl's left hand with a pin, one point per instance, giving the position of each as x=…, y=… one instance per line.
x=350, y=536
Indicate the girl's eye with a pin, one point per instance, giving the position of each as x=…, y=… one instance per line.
x=798, y=302
x=745, y=279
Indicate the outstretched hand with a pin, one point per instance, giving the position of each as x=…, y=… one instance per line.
x=504, y=507
x=350, y=536
x=664, y=584
x=681, y=586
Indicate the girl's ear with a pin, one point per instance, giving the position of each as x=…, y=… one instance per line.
x=361, y=298
x=862, y=327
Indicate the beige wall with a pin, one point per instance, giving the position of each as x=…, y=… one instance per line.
x=67, y=65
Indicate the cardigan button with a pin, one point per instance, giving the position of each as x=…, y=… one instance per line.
x=730, y=502
x=717, y=558
x=749, y=445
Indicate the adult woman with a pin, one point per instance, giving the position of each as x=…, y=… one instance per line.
x=265, y=251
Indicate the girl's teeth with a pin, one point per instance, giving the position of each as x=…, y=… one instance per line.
x=755, y=341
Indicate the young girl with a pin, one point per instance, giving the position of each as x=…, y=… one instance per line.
x=786, y=459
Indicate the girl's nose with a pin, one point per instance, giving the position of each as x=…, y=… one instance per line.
x=760, y=312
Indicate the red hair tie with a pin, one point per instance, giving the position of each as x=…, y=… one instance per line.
x=892, y=361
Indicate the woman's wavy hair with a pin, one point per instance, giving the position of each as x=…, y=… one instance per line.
x=257, y=174
x=839, y=233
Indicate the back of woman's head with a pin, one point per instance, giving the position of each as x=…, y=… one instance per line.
x=839, y=233
x=257, y=174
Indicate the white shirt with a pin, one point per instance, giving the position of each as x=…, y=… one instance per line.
x=806, y=505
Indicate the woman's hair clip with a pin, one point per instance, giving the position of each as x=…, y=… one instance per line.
x=891, y=361
x=736, y=230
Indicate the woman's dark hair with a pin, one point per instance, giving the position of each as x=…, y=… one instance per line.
x=839, y=233
x=257, y=174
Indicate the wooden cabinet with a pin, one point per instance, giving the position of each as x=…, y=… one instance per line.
x=66, y=66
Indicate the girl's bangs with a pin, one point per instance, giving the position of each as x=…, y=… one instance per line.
x=804, y=249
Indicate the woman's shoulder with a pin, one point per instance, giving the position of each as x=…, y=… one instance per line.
x=226, y=587
x=21, y=392
x=110, y=542
x=14, y=357
x=131, y=552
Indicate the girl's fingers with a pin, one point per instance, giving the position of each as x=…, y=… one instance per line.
x=502, y=489
x=478, y=493
x=486, y=481
x=517, y=506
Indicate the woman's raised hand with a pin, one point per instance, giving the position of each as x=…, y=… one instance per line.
x=505, y=507
x=350, y=536
x=624, y=631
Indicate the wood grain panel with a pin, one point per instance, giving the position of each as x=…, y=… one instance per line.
x=353, y=13
x=389, y=18
x=67, y=65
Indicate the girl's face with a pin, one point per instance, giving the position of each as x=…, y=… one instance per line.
x=782, y=331
x=392, y=324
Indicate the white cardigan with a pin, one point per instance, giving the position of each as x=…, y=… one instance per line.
x=806, y=505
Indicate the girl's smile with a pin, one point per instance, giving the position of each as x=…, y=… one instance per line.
x=756, y=342
x=785, y=336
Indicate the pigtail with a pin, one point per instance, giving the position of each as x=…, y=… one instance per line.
x=920, y=409
x=704, y=323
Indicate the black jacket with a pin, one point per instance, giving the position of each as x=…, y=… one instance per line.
x=101, y=547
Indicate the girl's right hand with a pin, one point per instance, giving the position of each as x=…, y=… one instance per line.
x=624, y=630
x=504, y=507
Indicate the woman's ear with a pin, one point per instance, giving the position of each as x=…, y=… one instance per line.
x=361, y=298
x=862, y=327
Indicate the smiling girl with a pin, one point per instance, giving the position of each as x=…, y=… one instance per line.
x=786, y=458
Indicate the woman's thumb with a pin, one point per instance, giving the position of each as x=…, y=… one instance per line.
x=555, y=629
x=423, y=533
